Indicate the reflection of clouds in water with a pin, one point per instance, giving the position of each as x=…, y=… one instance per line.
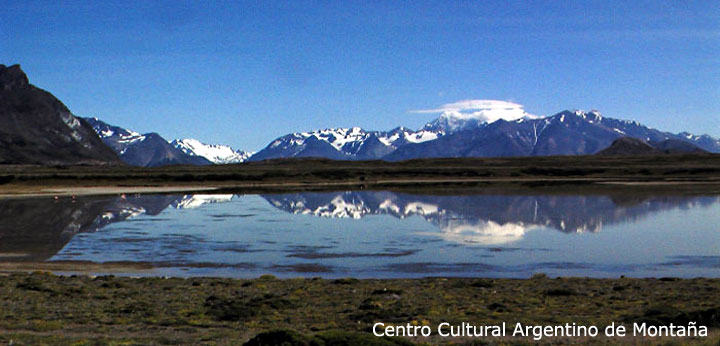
x=480, y=232
x=461, y=235
x=489, y=219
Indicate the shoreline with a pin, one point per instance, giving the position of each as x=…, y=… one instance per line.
x=15, y=191
x=104, y=190
x=128, y=269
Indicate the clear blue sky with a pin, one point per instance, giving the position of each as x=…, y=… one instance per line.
x=243, y=73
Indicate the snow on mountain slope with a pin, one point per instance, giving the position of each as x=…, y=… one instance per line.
x=146, y=150
x=116, y=137
x=703, y=141
x=358, y=144
x=473, y=128
x=344, y=143
x=218, y=154
x=402, y=135
x=566, y=133
x=467, y=114
x=134, y=148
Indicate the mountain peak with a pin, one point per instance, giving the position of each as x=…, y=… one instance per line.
x=37, y=128
x=12, y=77
x=578, y=114
x=215, y=153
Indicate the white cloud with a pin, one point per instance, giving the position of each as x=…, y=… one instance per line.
x=482, y=110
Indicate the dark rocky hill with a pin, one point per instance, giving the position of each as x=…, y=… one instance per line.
x=629, y=146
x=634, y=146
x=36, y=128
x=675, y=146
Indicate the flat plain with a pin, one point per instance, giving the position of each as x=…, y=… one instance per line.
x=42, y=308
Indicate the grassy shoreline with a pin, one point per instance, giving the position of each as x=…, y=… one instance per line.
x=42, y=308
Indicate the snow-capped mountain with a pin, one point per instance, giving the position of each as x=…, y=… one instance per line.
x=344, y=143
x=218, y=154
x=146, y=150
x=153, y=150
x=116, y=137
x=566, y=133
x=450, y=122
x=452, y=135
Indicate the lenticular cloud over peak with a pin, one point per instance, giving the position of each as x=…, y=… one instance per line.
x=481, y=110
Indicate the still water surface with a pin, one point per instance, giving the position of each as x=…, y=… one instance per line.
x=373, y=234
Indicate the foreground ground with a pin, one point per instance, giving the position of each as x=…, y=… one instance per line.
x=46, y=309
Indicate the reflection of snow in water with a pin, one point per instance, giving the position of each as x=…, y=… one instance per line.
x=196, y=201
x=421, y=208
x=122, y=214
x=439, y=234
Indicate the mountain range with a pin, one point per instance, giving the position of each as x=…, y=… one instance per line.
x=566, y=133
x=36, y=128
x=151, y=149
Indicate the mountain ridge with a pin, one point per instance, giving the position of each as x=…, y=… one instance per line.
x=145, y=150
x=151, y=149
x=215, y=153
x=565, y=133
x=37, y=128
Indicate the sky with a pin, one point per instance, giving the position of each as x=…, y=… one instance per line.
x=245, y=72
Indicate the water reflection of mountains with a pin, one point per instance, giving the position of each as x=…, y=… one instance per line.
x=489, y=219
x=36, y=229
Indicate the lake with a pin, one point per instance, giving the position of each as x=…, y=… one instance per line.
x=371, y=234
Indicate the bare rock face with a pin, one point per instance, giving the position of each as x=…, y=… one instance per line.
x=12, y=77
x=36, y=128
